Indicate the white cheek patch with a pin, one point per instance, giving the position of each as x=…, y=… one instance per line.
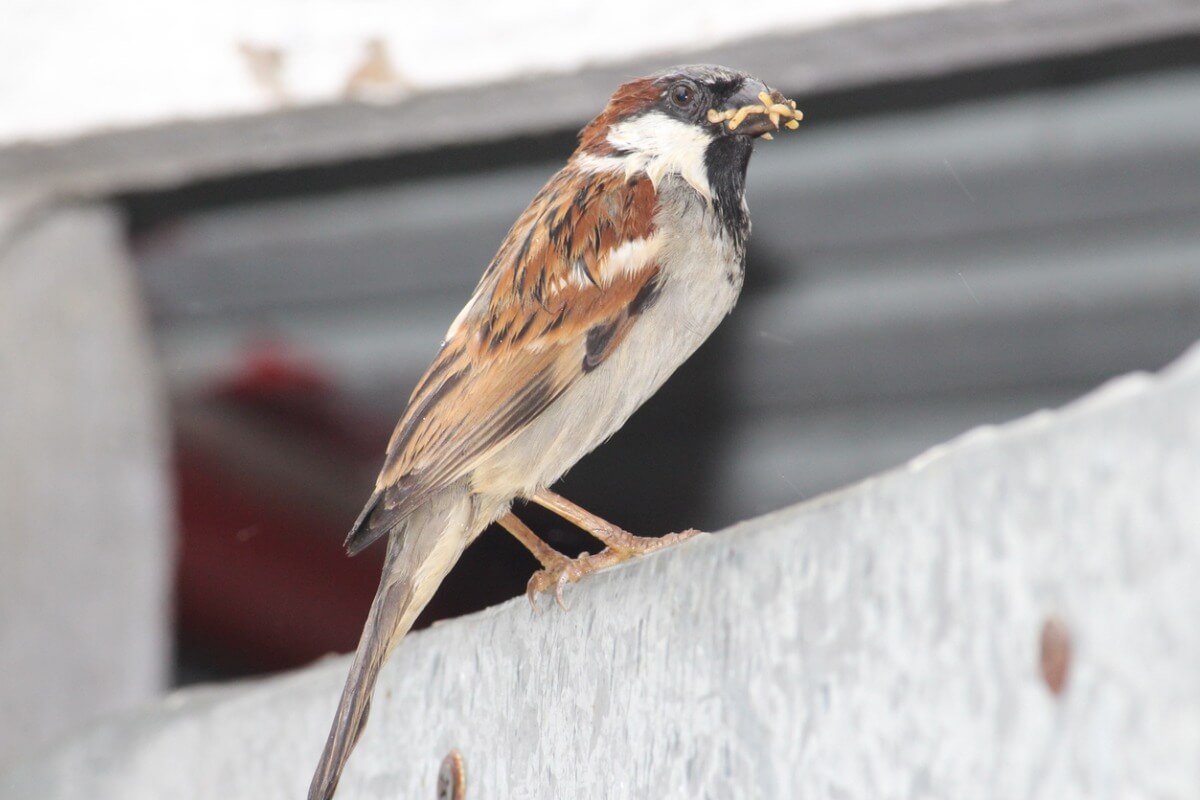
x=659, y=146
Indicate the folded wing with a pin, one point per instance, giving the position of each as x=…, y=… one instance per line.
x=563, y=291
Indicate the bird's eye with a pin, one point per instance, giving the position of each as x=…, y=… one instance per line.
x=683, y=95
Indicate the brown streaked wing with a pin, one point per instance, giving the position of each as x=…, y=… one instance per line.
x=542, y=315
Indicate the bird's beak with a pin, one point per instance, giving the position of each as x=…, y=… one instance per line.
x=756, y=110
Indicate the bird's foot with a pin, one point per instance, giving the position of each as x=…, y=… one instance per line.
x=558, y=574
x=622, y=546
x=628, y=545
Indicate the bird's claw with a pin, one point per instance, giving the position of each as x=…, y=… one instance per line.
x=681, y=536
x=558, y=576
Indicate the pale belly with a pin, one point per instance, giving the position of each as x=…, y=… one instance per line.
x=701, y=286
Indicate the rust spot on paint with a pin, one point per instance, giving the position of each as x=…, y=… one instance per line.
x=1055, y=654
x=452, y=778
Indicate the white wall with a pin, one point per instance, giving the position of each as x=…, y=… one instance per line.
x=85, y=530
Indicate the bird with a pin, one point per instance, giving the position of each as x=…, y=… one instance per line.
x=619, y=269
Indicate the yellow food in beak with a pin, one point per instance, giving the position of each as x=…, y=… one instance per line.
x=774, y=110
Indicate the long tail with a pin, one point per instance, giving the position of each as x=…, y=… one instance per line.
x=418, y=559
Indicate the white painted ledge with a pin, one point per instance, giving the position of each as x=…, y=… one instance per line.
x=880, y=642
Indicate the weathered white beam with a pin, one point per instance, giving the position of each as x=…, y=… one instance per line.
x=217, y=60
x=84, y=501
x=468, y=99
x=1010, y=615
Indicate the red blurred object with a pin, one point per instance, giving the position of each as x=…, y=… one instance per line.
x=268, y=583
x=268, y=469
x=271, y=366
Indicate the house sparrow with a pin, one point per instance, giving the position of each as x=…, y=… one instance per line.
x=619, y=269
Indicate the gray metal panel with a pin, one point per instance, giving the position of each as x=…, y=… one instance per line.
x=1025, y=240
x=911, y=275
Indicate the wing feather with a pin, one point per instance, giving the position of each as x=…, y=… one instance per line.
x=549, y=308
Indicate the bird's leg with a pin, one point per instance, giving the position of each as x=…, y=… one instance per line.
x=557, y=570
x=619, y=545
x=546, y=555
x=616, y=540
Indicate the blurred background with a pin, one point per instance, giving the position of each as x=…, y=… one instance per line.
x=230, y=242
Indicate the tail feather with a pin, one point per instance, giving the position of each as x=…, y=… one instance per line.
x=387, y=509
x=418, y=559
x=355, y=703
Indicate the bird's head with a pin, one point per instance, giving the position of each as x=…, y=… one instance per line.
x=697, y=122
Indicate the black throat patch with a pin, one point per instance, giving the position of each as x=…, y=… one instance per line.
x=726, y=160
